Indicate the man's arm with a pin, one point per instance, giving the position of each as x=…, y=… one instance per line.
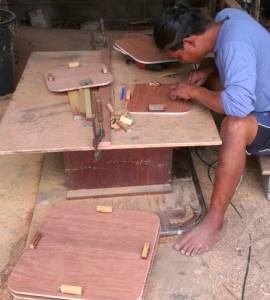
x=206, y=68
x=210, y=99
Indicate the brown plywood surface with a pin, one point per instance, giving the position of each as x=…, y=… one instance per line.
x=142, y=49
x=99, y=252
x=67, y=79
x=118, y=168
x=145, y=94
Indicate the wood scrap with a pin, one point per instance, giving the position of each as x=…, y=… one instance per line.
x=71, y=289
x=104, y=209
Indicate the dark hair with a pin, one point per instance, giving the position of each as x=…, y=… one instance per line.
x=177, y=23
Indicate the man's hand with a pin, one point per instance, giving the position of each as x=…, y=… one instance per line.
x=198, y=78
x=183, y=90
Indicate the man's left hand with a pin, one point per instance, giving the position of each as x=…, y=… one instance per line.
x=182, y=90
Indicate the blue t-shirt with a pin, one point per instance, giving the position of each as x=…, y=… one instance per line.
x=242, y=55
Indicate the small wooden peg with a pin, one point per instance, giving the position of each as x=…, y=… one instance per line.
x=50, y=77
x=35, y=240
x=145, y=250
x=104, y=69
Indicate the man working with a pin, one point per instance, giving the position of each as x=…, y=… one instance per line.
x=240, y=73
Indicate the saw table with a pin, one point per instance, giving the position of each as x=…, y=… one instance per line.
x=41, y=121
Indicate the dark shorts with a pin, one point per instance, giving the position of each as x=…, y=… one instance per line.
x=261, y=143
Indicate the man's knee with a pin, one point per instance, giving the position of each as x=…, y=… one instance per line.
x=239, y=130
x=233, y=129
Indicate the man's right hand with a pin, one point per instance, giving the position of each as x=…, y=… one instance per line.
x=198, y=78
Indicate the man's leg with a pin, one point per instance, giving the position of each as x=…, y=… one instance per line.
x=236, y=134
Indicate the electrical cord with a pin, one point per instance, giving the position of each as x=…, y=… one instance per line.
x=247, y=270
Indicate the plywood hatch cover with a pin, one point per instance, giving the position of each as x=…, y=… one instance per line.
x=100, y=252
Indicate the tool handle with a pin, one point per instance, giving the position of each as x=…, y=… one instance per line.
x=99, y=110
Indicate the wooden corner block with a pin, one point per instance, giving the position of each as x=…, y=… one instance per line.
x=104, y=209
x=71, y=289
x=73, y=64
x=145, y=250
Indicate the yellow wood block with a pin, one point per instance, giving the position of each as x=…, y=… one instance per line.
x=71, y=289
x=88, y=103
x=145, y=250
x=104, y=209
x=126, y=120
x=128, y=95
x=73, y=64
x=74, y=100
x=82, y=107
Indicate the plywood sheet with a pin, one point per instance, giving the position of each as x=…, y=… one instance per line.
x=144, y=94
x=99, y=252
x=83, y=76
x=142, y=49
x=118, y=168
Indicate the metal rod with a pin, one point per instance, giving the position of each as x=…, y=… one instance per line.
x=187, y=227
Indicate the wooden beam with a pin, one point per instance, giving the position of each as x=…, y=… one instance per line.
x=117, y=191
x=257, y=9
x=232, y=4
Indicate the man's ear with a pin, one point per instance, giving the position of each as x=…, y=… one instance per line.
x=189, y=42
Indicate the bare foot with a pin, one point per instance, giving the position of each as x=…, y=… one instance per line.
x=202, y=237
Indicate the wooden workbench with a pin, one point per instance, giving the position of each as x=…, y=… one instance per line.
x=39, y=121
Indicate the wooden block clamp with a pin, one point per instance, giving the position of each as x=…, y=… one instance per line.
x=71, y=289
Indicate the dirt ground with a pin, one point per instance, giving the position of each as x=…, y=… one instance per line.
x=218, y=274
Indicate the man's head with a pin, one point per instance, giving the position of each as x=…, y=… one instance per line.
x=179, y=31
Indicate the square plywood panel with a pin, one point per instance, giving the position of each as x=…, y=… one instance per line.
x=142, y=49
x=145, y=95
x=63, y=78
x=99, y=252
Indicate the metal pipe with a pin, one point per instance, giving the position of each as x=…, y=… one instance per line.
x=203, y=210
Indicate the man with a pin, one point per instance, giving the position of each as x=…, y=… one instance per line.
x=241, y=49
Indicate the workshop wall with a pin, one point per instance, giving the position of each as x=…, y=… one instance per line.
x=116, y=13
